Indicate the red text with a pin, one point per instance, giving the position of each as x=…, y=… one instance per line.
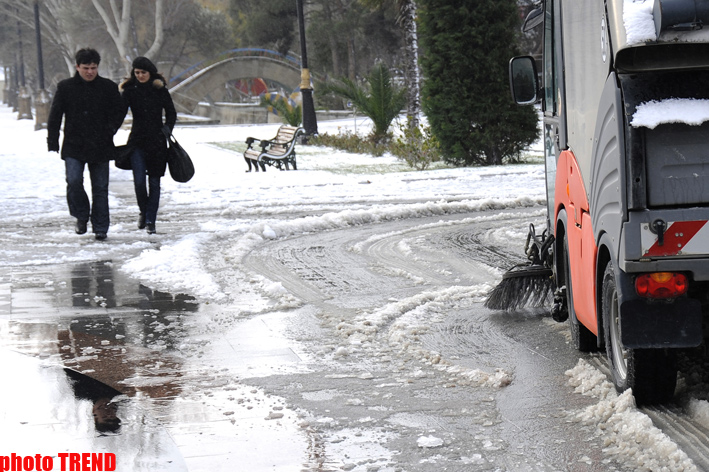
x=74, y=462
x=14, y=462
x=69, y=461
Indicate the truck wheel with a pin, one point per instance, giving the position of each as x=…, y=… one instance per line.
x=584, y=340
x=650, y=373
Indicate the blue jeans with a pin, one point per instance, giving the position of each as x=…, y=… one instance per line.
x=78, y=200
x=148, y=197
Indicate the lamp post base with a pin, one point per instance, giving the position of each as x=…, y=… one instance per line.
x=24, y=105
x=310, y=122
x=41, y=110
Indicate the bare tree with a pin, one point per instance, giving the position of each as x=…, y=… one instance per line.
x=68, y=25
x=51, y=16
x=118, y=21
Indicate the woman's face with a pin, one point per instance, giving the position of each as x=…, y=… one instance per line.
x=142, y=75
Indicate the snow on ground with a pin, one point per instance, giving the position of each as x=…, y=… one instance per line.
x=331, y=190
x=628, y=434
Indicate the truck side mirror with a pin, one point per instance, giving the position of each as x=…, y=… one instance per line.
x=523, y=80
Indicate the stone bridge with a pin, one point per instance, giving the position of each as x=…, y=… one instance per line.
x=207, y=80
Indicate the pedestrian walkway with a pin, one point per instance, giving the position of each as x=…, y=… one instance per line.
x=68, y=313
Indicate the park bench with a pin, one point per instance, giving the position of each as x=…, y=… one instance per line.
x=278, y=151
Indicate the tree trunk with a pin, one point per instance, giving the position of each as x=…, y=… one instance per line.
x=351, y=58
x=336, y=67
x=407, y=18
x=117, y=25
x=154, y=50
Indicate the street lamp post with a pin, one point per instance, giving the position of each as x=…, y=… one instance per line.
x=14, y=81
x=310, y=122
x=24, y=104
x=8, y=85
x=42, y=102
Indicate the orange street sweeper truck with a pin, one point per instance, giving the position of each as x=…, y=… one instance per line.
x=624, y=93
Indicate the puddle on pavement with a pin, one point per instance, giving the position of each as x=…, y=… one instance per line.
x=90, y=331
x=119, y=336
x=99, y=322
x=116, y=339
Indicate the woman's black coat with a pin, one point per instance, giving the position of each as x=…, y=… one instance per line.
x=147, y=102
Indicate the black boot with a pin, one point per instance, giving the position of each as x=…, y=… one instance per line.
x=80, y=227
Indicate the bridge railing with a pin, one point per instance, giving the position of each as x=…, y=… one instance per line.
x=288, y=59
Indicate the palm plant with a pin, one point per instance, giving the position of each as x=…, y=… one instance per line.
x=407, y=21
x=378, y=99
x=290, y=113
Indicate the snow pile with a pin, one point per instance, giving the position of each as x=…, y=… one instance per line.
x=359, y=247
x=627, y=433
x=381, y=213
x=638, y=21
x=675, y=110
x=429, y=441
x=177, y=268
x=410, y=319
x=698, y=410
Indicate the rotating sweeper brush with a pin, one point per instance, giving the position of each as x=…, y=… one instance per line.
x=530, y=283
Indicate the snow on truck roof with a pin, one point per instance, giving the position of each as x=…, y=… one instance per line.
x=640, y=25
x=638, y=21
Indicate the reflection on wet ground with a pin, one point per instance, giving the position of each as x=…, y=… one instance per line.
x=116, y=339
x=104, y=408
x=99, y=323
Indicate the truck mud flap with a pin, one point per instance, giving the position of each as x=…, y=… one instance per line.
x=646, y=325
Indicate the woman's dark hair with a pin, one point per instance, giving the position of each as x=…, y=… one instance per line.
x=145, y=64
x=87, y=56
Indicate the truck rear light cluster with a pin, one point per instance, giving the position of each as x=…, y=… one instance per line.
x=661, y=285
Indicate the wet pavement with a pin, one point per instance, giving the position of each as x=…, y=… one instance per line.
x=93, y=361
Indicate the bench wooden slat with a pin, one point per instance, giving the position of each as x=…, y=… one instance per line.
x=278, y=152
x=252, y=153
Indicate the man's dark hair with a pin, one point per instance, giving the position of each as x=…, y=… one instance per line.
x=87, y=56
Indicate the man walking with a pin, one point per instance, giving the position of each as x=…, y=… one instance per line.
x=92, y=110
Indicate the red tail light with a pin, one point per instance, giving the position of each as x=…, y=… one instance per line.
x=661, y=285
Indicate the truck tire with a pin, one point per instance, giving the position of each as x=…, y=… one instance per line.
x=583, y=339
x=650, y=373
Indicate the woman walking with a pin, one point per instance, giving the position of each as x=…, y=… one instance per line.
x=145, y=93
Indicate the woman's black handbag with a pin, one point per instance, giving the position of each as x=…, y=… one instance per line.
x=178, y=161
x=123, y=154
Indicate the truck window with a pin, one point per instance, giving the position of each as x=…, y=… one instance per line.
x=551, y=74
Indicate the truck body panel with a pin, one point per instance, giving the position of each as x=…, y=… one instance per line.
x=571, y=197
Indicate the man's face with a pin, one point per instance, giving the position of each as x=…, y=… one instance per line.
x=88, y=72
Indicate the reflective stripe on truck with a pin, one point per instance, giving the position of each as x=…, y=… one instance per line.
x=680, y=238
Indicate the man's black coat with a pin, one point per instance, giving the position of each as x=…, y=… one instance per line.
x=92, y=114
